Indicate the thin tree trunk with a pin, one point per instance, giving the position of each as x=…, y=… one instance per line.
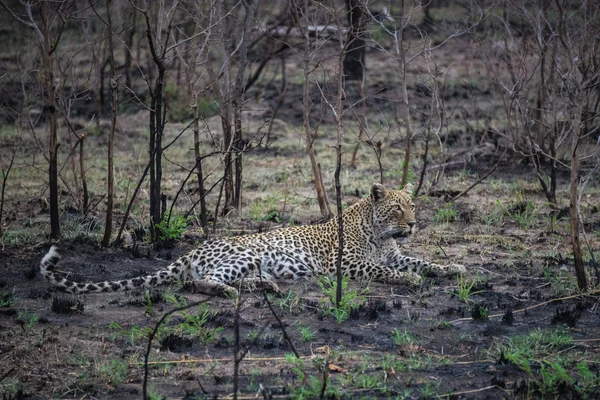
x=5, y=174
x=201, y=191
x=238, y=98
x=407, y=120
x=226, y=126
x=310, y=137
x=53, y=138
x=156, y=132
x=354, y=59
x=362, y=123
x=239, y=148
x=574, y=198
x=99, y=87
x=579, y=99
x=540, y=127
x=198, y=156
x=427, y=138
x=224, y=92
x=111, y=134
x=72, y=159
x=190, y=72
x=86, y=195
x=129, y=50
x=338, y=185
x=552, y=145
x=157, y=114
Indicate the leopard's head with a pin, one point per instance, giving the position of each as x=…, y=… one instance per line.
x=393, y=211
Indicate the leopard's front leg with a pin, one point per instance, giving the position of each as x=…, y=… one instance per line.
x=427, y=268
x=394, y=258
x=380, y=273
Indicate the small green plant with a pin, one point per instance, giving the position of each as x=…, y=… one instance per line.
x=465, y=290
x=364, y=381
x=287, y=303
x=197, y=325
x=297, y=366
x=11, y=388
x=137, y=334
x=479, y=312
x=553, y=376
x=309, y=387
x=524, y=215
x=443, y=325
x=430, y=390
x=312, y=389
x=403, y=338
x=535, y=344
x=113, y=372
x=417, y=361
x=148, y=302
x=80, y=227
x=281, y=176
x=495, y=217
x=27, y=319
x=445, y=214
x=171, y=229
x=7, y=298
x=550, y=376
x=553, y=224
x=194, y=324
x=562, y=283
x=351, y=299
x=589, y=381
x=153, y=394
x=252, y=336
x=306, y=334
x=80, y=360
x=340, y=314
x=266, y=209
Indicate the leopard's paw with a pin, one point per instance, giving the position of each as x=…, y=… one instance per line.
x=230, y=292
x=271, y=287
x=455, y=269
x=413, y=279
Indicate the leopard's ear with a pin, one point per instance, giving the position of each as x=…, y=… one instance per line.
x=378, y=192
x=409, y=188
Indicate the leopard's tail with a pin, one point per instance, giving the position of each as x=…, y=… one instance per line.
x=177, y=269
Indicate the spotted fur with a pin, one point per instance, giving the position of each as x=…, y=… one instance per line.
x=371, y=228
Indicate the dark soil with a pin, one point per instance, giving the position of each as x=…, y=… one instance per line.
x=400, y=343
x=455, y=347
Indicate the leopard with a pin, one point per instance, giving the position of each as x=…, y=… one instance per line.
x=372, y=230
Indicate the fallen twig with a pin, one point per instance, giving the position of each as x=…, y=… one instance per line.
x=469, y=391
x=211, y=360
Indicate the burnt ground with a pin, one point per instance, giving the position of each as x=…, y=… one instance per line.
x=521, y=303
x=515, y=326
